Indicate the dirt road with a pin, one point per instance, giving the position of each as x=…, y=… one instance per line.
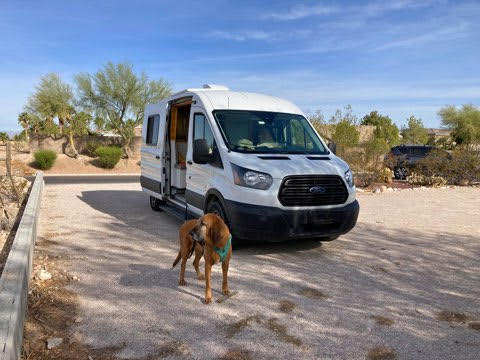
x=390, y=286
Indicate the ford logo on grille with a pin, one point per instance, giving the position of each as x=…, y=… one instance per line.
x=317, y=190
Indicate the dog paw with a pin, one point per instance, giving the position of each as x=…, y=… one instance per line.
x=201, y=277
x=182, y=283
x=226, y=292
x=208, y=301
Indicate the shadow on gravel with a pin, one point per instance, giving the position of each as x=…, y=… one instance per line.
x=372, y=273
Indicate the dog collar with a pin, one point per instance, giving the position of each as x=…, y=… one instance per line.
x=222, y=252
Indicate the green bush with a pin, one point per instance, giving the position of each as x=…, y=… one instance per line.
x=44, y=159
x=108, y=156
x=91, y=147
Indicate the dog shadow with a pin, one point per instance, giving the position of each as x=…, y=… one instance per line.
x=148, y=276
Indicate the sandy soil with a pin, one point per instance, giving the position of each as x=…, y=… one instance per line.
x=24, y=164
x=402, y=285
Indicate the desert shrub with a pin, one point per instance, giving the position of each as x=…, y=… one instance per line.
x=44, y=159
x=108, y=156
x=91, y=147
x=419, y=179
x=461, y=167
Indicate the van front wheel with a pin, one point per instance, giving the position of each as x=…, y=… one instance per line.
x=155, y=203
x=215, y=208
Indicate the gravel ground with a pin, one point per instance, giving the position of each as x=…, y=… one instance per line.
x=379, y=289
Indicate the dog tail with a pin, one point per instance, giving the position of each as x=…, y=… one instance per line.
x=177, y=259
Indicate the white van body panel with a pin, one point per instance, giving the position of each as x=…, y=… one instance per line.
x=202, y=179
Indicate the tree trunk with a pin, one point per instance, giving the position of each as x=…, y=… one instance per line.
x=27, y=136
x=72, y=146
x=127, y=152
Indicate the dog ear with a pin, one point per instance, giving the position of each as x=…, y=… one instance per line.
x=218, y=229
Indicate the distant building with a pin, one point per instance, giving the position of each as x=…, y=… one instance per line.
x=437, y=134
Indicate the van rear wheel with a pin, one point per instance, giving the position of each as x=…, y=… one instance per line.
x=155, y=203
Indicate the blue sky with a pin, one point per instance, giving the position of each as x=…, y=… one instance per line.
x=400, y=57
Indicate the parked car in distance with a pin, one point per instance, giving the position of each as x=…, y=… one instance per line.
x=403, y=158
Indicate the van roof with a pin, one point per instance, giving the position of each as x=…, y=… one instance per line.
x=233, y=100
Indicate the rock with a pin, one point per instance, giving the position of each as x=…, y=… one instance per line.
x=377, y=191
x=44, y=275
x=360, y=190
x=475, y=325
x=389, y=189
x=383, y=188
x=53, y=342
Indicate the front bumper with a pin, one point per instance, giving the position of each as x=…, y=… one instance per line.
x=271, y=224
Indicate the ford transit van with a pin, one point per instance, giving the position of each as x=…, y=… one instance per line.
x=253, y=159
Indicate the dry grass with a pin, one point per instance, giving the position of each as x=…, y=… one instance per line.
x=313, y=294
x=281, y=331
x=451, y=316
x=235, y=328
x=382, y=320
x=237, y=353
x=286, y=306
x=379, y=268
x=381, y=353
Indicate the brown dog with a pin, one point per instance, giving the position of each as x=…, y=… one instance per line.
x=210, y=237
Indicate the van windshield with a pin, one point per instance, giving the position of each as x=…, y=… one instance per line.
x=268, y=132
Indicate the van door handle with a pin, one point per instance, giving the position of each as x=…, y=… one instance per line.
x=189, y=162
x=157, y=157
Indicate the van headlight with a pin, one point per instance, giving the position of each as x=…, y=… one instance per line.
x=348, y=176
x=250, y=178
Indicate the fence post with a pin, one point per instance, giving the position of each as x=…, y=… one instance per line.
x=9, y=170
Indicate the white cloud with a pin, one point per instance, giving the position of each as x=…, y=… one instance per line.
x=302, y=11
x=372, y=9
x=242, y=35
x=450, y=33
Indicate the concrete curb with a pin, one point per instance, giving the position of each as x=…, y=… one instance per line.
x=90, y=178
x=16, y=276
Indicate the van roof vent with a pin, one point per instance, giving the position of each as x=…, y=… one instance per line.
x=215, y=87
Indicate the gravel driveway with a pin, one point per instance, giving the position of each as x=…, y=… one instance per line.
x=412, y=255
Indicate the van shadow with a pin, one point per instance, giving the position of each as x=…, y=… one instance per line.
x=132, y=210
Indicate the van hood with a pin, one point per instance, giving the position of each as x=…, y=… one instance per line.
x=281, y=165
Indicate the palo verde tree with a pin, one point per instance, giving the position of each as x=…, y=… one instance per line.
x=118, y=95
x=52, y=99
x=415, y=132
x=464, y=123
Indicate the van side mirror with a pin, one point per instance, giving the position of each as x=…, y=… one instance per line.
x=333, y=147
x=201, y=154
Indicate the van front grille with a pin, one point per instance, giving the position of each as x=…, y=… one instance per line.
x=312, y=190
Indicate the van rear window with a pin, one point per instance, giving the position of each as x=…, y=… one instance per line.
x=152, y=130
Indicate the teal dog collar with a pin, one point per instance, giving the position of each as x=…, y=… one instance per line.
x=222, y=252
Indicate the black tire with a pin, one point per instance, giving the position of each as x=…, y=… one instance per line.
x=328, y=238
x=400, y=172
x=155, y=203
x=215, y=207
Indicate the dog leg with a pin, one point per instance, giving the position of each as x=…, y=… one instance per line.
x=225, y=290
x=208, y=288
x=196, y=261
x=182, y=282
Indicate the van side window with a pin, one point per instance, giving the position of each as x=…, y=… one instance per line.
x=202, y=130
x=153, y=123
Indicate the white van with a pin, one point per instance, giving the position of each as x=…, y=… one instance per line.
x=253, y=159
